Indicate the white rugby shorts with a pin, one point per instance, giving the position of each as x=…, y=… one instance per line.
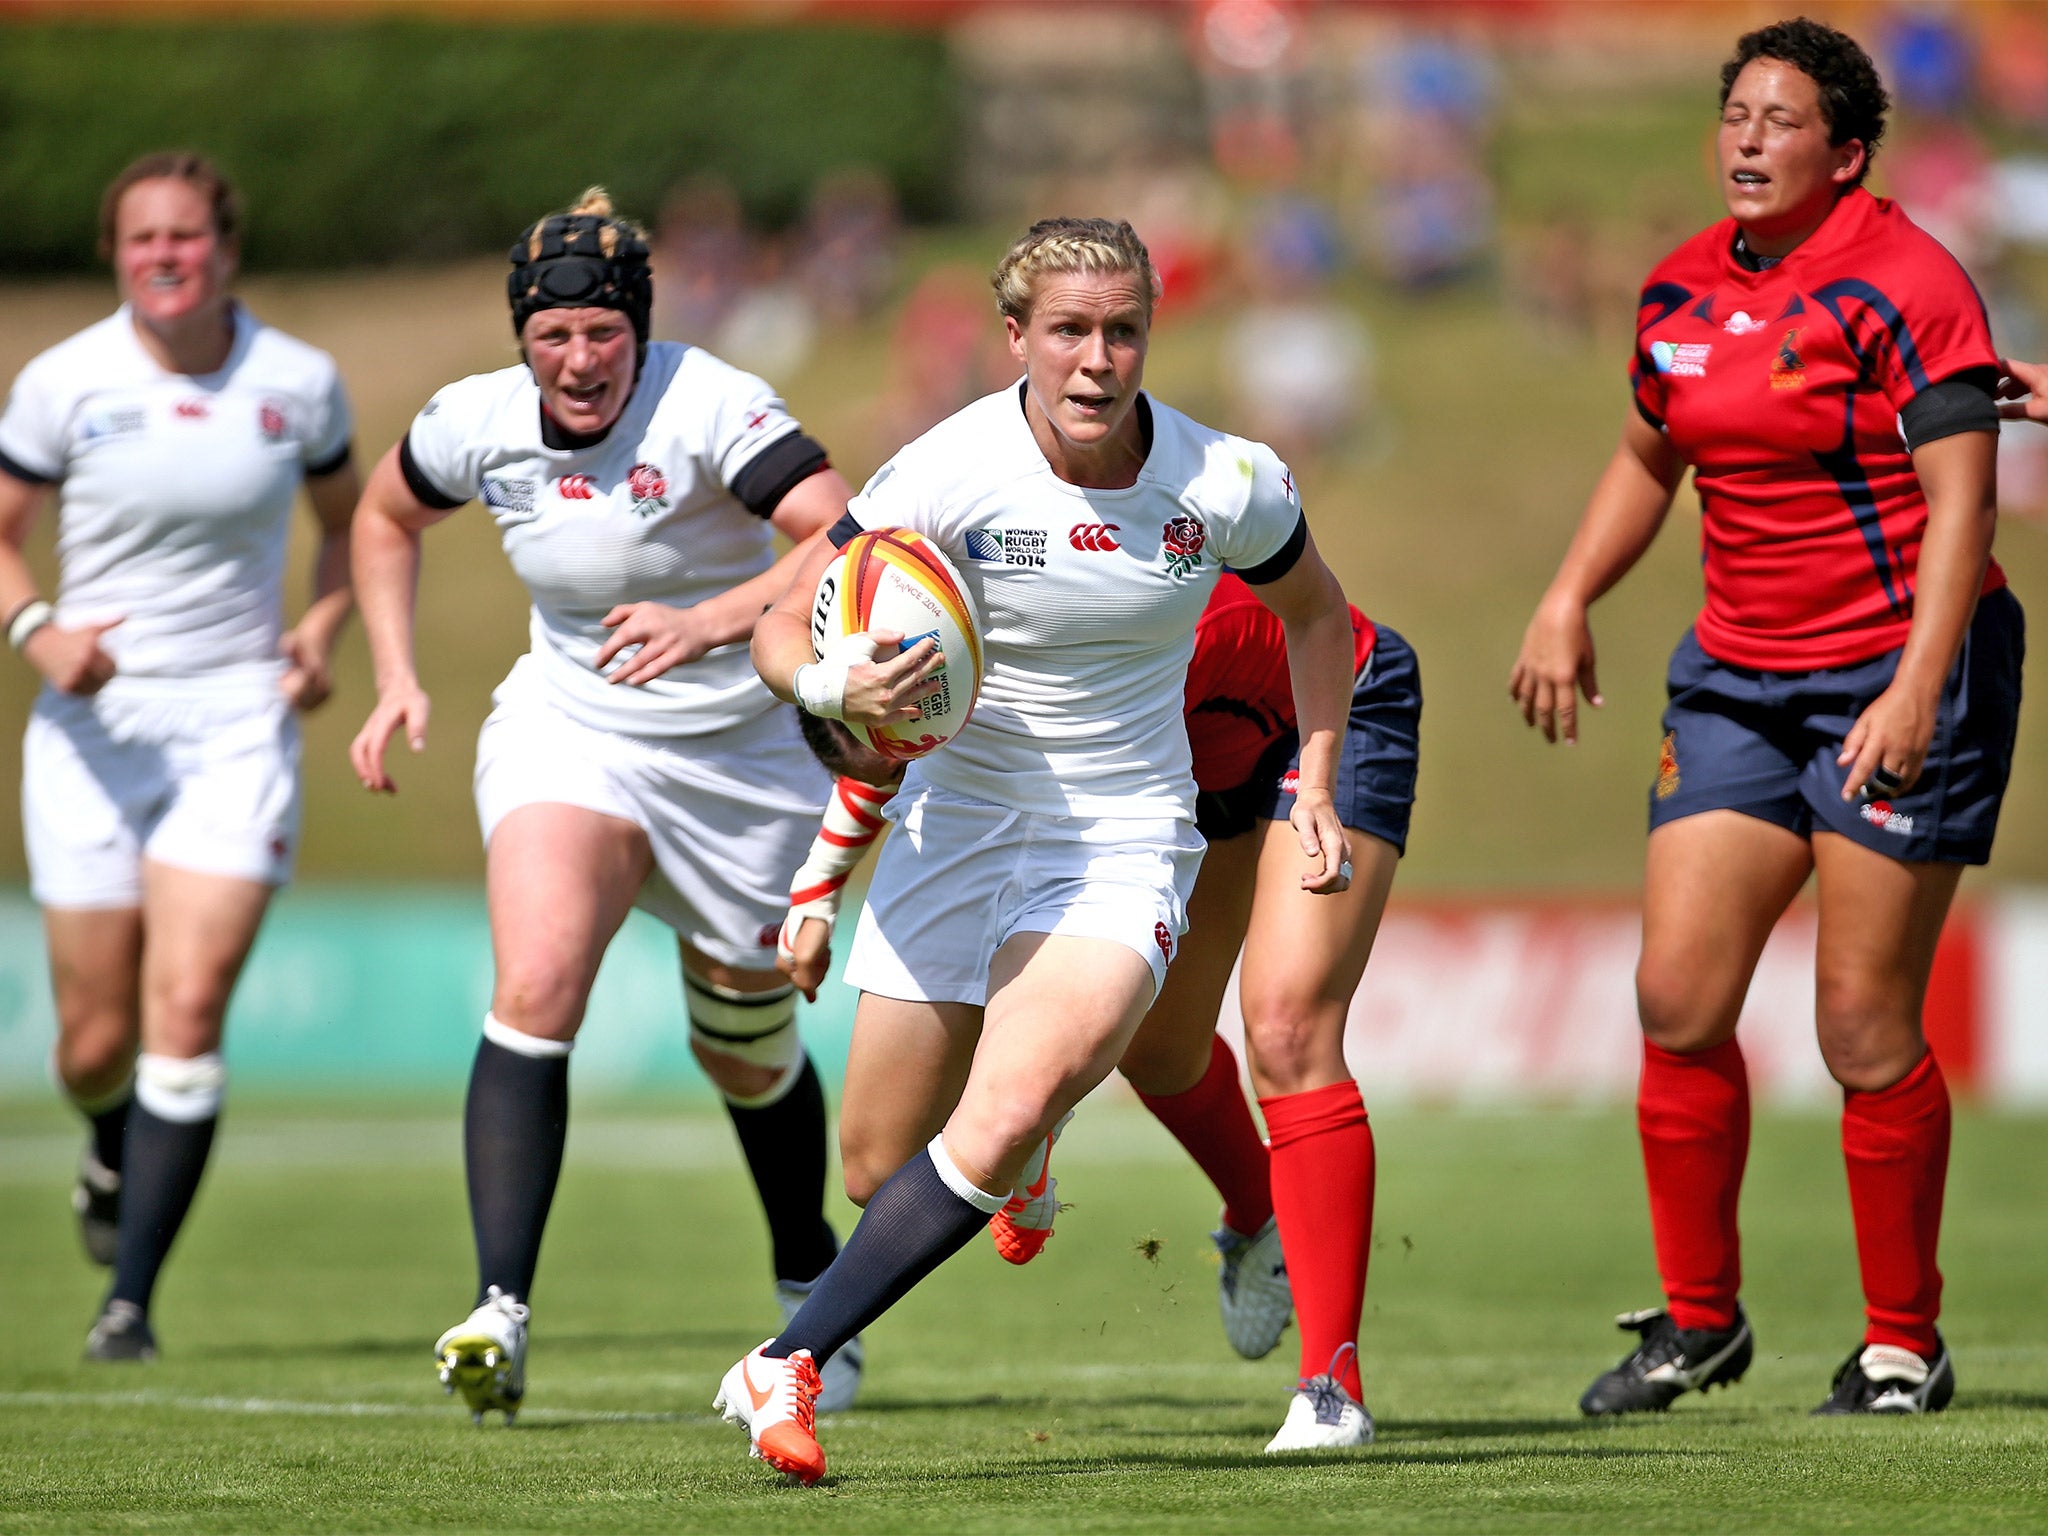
x=200, y=778
x=730, y=815
x=960, y=875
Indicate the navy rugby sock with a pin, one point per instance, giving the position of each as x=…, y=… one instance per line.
x=784, y=1144
x=915, y=1222
x=163, y=1161
x=109, y=1132
x=513, y=1128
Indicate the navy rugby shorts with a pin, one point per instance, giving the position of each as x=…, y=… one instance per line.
x=1376, y=775
x=1765, y=743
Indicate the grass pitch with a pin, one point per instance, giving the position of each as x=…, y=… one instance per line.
x=1092, y=1391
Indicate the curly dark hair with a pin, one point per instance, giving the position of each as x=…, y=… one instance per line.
x=1851, y=94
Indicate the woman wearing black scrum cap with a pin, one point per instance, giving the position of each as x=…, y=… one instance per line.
x=633, y=757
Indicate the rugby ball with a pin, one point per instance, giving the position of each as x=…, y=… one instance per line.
x=894, y=579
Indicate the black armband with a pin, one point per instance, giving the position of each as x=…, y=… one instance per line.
x=20, y=471
x=777, y=470
x=332, y=462
x=845, y=531
x=428, y=493
x=1962, y=402
x=1276, y=566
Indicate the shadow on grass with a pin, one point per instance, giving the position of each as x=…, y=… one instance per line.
x=737, y=1342
x=1079, y=1407
x=1036, y=1468
x=1966, y=1401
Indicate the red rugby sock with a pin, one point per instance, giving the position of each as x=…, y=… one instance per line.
x=1213, y=1121
x=1895, y=1142
x=1692, y=1112
x=1322, y=1190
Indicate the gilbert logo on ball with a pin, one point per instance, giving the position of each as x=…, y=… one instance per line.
x=894, y=579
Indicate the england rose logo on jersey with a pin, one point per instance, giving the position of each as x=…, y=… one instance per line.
x=648, y=487
x=1183, y=538
x=270, y=420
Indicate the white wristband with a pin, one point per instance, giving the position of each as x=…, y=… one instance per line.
x=820, y=686
x=821, y=689
x=33, y=616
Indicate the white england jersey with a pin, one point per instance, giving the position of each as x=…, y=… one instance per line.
x=175, y=490
x=1087, y=599
x=643, y=515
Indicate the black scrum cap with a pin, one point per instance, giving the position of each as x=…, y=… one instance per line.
x=580, y=260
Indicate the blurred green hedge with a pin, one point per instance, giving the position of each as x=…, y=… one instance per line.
x=359, y=143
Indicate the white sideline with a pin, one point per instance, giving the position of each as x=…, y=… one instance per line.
x=286, y=1408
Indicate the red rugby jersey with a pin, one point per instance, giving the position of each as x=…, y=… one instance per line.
x=1783, y=389
x=1240, y=699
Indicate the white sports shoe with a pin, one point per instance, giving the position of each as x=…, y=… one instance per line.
x=1252, y=1289
x=1322, y=1417
x=839, y=1377
x=776, y=1402
x=484, y=1356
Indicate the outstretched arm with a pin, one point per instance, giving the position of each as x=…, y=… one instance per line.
x=1621, y=518
x=385, y=540
x=669, y=637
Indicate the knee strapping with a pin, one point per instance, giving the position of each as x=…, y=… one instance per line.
x=758, y=1028
x=179, y=1090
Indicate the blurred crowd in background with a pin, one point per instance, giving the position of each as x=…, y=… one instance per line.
x=1283, y=160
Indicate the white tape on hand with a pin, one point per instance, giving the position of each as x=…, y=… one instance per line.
x=820, y=686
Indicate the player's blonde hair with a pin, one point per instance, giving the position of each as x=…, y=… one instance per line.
x=1069, y=246
x=595, y=203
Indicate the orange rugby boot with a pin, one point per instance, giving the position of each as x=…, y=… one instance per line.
x=776, y=1401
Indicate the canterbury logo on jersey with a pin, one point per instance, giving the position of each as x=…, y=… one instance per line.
x=575, y=488
x=191, y=410
x=1093, y=538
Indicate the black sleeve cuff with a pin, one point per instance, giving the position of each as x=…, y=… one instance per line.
x=429, y=494
x=776, y=471
x=333, y=461
x=845, y=531
x=1279, y=565
x=1647, y=414
x=1963, y=402
x=22, y=472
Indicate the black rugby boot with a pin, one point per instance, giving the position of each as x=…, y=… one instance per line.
x=1670, y=1362
x=1882, y=1378
x=121, y=1332
x=96, y=1197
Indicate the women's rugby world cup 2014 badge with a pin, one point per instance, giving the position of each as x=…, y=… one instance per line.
x=1183, y=538
x=648, y=487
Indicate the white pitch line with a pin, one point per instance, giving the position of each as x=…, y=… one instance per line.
x=285, y=1408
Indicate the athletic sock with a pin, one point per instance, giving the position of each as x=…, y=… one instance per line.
x=513, y=1127
x=1895, y=1142
x=784, y=1143
x=169, y=1134
x=107, y=1115
x=109, y=1135
x=1692, y=1112
x=1213, y=1121
x=927, y=1212
x=1323, y=1170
